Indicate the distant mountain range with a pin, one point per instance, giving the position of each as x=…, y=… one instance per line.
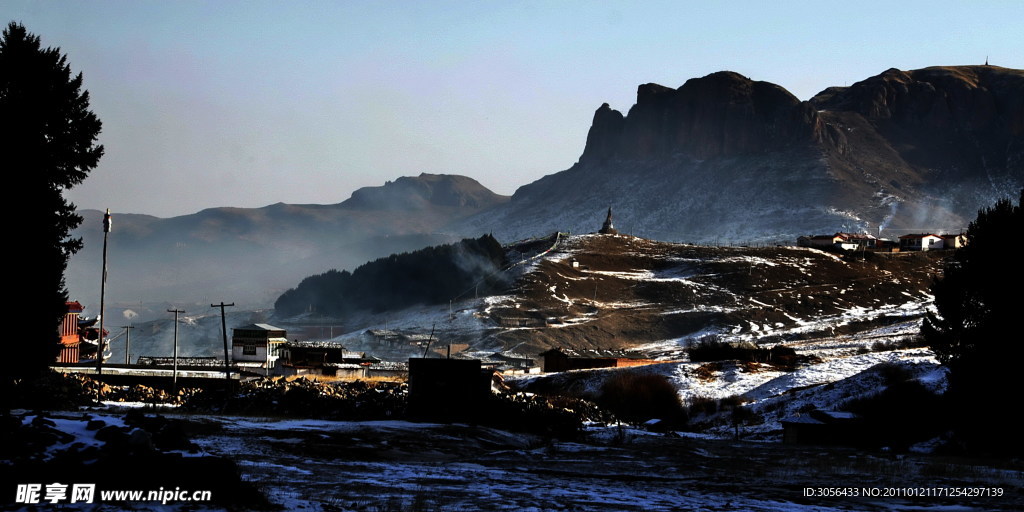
x=251, y=255
x=721, y=158
x=730, y=159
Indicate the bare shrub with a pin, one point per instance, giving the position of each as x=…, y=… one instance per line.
x=703, y=405
x=637, y=397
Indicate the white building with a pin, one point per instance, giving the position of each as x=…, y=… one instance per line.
x=921, y=242
x=257, y=346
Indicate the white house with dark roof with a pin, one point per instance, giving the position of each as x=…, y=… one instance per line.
x=257, y=346
x=840, y=240
x=921, y=242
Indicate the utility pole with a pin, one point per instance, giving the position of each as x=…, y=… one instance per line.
x=175, y=380
x=103, y=292
x=430, y=339
x=224, y=333
x=127, y=343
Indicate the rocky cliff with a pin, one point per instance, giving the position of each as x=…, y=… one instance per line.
x=727, y=158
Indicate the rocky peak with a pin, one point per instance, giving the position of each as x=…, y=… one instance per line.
x=943, y=116
x=967, y=96
x=720, y=114
x=603, y=137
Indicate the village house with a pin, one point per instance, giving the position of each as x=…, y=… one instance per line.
x=822, y=428
x=396, y=339
x=184, y=363
x=332, y=359
x=386, y=337
x=819, y=241
x=921, y=242
x=840, y=240
x=884, y=245
x=70, y=340
x=257, y=346
x=311, y=358
x=510, y=363
x=953, y=241
x=856, y=241
x=326, y=358
x=563, y=360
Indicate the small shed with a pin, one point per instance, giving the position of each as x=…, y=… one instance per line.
x=822, y=427
x=447, y=389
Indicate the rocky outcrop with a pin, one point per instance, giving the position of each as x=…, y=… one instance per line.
x=965, y=120
x=720, y=114
x=726, y=158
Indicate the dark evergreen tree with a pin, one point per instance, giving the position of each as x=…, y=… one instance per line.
x=48, y=146
x=432, y=275
x=975, y=329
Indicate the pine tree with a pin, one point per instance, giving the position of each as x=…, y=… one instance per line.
x=48, y=145
x=975, y=328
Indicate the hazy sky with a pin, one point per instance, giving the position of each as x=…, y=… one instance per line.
x=250, y=103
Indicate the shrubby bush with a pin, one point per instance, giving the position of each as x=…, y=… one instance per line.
x=639, y=397
x=712, y=348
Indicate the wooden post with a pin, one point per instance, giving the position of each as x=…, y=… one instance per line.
x=103, y=291
x=224, y=333
x=174, y=382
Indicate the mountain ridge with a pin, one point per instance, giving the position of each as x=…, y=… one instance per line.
x=725, y=158
x=720, y=159
x=255, y=253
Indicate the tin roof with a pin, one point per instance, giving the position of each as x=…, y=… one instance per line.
x=260, y=327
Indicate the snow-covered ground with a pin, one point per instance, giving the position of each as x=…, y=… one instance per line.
x=319, y=465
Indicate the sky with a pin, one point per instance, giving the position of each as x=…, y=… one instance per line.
x=246, y=104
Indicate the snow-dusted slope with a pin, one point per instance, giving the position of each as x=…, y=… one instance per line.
x=622, y=293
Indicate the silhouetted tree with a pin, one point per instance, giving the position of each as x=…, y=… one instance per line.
x=432, y=275
x=976, y=330
x=48, y=145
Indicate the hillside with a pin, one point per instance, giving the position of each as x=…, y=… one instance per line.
x=844, y=315
x=851, y=319
x=631, y=292
x=653, y=298
x=727, y=158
